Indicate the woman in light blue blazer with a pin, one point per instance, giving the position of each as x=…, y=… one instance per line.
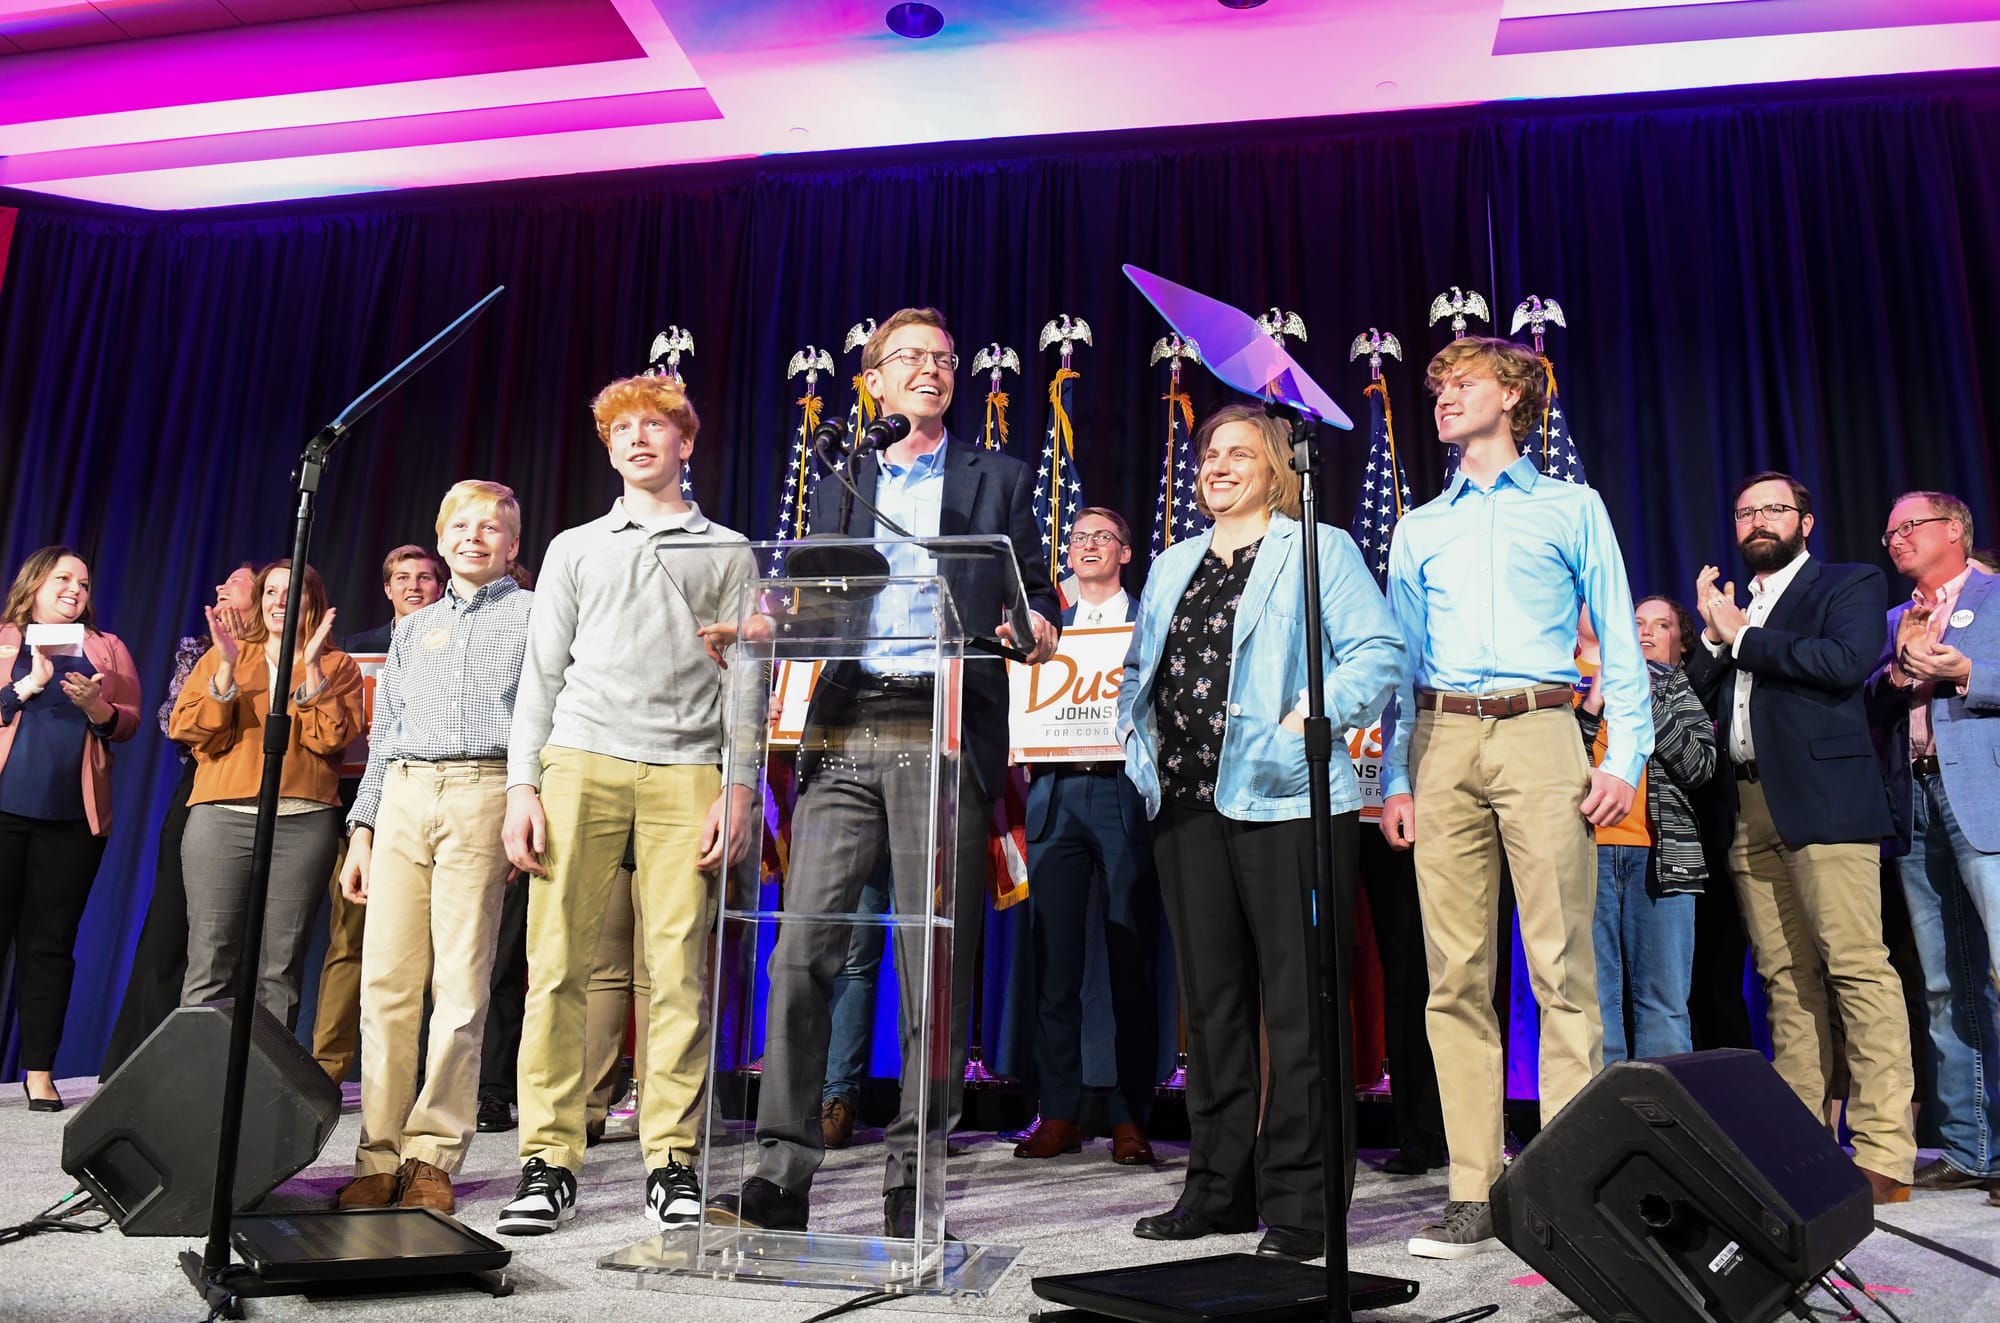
x=1211, y=712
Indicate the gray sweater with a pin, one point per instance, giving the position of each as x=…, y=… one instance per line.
x=613, y=665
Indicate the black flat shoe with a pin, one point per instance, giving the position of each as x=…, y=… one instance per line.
x=1291, y=1243
x=1412, y=1161
x=1179, y=1223
x=35, y=1104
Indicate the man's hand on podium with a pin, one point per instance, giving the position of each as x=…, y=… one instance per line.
x=1046, y=635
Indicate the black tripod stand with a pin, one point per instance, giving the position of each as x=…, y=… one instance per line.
x=297, y=1251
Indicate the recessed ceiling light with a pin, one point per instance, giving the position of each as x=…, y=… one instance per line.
x=1239, y=4
x=917, y=21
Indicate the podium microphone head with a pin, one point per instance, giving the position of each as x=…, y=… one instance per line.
x=829, y=439
x=885, y=431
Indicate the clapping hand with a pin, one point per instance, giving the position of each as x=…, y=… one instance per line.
x=40, y=669
x=87, y=692
x=317, y=642
x=225, y=628
x=1725, y=619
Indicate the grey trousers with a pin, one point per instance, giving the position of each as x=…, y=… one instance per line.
x=865, y=793
x=215, y=863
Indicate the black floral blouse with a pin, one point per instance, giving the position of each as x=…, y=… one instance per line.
x=1191, y=692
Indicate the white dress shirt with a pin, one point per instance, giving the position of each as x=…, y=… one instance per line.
x=1111, y=611
x=1765, y=590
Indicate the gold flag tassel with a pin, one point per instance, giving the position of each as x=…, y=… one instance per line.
x=1548, y=403
x=1175, y=398
x=1381, y=387
x=863, y=401
x=996, y=419
x=1065, y=438
x=811, y=408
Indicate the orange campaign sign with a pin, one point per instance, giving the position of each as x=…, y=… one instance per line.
x=1066, y=709
x=355, y=761
x=1364, y=747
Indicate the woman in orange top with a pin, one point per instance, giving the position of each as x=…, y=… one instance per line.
x=220, y=717
x=61, y=706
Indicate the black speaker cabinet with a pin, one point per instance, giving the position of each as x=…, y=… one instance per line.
x=145, y=1143
x=1690, y=1189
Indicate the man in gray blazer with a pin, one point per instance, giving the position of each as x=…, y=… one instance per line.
x=1934, y=702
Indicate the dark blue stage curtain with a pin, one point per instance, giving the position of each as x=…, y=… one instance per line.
x=1753, y=278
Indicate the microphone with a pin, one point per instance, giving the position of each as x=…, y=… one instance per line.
x=829, y=441
x=884, y=432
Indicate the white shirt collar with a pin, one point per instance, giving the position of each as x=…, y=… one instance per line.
x=1774, y=583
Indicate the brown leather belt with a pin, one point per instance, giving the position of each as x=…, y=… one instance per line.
x=1510, y=704
x=1747, y=771
x=1924, y=766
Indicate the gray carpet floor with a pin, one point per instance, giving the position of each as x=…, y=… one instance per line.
x=1068, y=1214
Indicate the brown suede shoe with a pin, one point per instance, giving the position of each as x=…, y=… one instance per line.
x=836, y=1123
x=1887, y=1189
x=377, y=1191
x=1049, y=1138
x=425, y=1186
x=1129, y=1147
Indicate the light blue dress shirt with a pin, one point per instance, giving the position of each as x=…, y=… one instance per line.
x=1485, y=584
x=911, y=495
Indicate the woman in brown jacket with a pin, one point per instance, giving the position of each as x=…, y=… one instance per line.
x=61, y=706
x=220, y=717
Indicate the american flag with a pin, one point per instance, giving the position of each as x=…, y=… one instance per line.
x=1385, y=495
x=1176, y=516
x=1549, y=439
x=801, y=478
x=1058, y=488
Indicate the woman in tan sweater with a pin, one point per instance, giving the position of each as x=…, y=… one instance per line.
x=220, y=717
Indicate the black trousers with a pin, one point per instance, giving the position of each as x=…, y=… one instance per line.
x=507, y=1004
x=46, y=869
x=1237, y=897
x=159, y=963
x=1390, y=879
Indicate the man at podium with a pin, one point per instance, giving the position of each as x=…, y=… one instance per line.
x=861, y=792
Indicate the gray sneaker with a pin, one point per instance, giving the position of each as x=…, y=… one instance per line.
x=1465, y=1229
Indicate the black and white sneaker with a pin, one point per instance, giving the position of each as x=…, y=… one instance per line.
x=543, y=1201
x=673, y=1196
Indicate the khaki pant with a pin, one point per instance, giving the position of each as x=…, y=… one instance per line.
x=435, y=882
x=619, y=990
x=337, y=1022
x=594, y=804
x=1481, y=784
x=1814, y=917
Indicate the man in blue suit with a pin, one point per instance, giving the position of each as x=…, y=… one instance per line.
x=864, y=789
x=1935, y=702
x=1784, y=678
x=1087, y=819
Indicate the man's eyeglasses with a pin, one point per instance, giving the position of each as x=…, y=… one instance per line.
x=1093, y=539
x=909, y=358
x=1770, y=514
x=1903, y=529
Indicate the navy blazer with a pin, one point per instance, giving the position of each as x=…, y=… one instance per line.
x=1811, y=657
x=1964, y=729
x=984, y=492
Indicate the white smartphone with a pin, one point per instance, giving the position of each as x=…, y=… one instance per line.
x=55, y=640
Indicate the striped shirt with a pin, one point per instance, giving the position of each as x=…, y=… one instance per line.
x=447, y=690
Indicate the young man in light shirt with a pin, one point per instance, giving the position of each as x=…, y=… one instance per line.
x=618, y=736
x=424, y=855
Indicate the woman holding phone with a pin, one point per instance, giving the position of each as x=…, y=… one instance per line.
x=67, y=690
x=220, y=717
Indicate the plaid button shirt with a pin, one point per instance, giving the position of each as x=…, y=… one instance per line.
x=447, y=690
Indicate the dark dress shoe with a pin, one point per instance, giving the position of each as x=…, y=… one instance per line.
x=1049, y=1138
x=494, y=1114
x=1129, y=1147
x=899, y=1213
x=1179, y=1223
x=1937, y=1174
x=1412, y=1161
x=1291, y=1243
x=35, y=1104
x=762, y=1206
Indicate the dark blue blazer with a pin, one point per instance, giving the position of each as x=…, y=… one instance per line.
x=984, y=492
x=1811, y=658
x=1042, y=781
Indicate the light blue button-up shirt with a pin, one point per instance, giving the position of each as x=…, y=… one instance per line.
x=1485, y=584
x=911, y=495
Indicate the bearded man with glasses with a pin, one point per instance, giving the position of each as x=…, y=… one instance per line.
x=1784, y=678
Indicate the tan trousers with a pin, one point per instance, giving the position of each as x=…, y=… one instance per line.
x=337, y=1022
x=594, y=804
x=1814, y=916
x=435, y=882
x=619, y=990
x=1481, y=784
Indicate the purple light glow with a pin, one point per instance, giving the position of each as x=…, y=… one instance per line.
x=915, y=21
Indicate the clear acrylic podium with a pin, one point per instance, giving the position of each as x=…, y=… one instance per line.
x=854, y=620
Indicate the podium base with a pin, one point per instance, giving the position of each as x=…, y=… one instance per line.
x=1238, y=1288
x=804, y=1258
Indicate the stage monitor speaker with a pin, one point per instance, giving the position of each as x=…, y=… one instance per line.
x=1688, y=1189
x=144, y=1144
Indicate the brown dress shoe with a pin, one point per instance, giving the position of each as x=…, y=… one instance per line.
x=1129, y=1147
x=836, y=1122
x=1050, y=1137
x=425, y=1186
x=1937, y=1174
x=1887, y=1189
x=377, y=1191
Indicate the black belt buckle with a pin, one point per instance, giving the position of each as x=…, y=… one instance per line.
x=900, y=686
x=1927, y=765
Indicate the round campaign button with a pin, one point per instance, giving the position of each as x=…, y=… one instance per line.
x=1961, y=618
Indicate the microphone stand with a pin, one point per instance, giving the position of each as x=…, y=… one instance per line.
x=212, y=1273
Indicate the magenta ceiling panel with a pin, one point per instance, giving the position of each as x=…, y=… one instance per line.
x=56, y=24
x=1614, y=24
x=354, y=50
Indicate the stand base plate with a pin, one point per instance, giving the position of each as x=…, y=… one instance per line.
x=1223, y=1288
